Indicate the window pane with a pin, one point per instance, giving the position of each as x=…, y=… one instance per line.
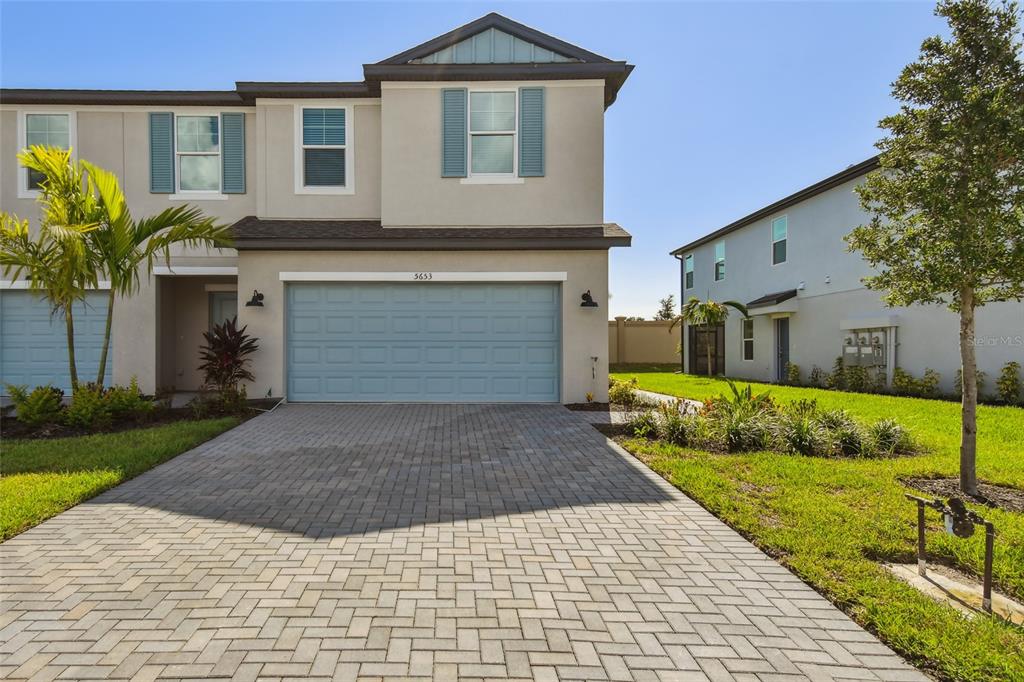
x=779, y=228
x=492, y=111
x=720, y=251
x=779, y=252
x=720, y=270
x=688, y=261
x=323, y=126
x=748, y=350
x=197, y=133
x=324, y=167
x=48, y=130
x=200, y=173
x=35, y=179
x=492, y=154
x=689, y=280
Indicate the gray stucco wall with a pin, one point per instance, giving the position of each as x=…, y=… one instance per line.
x=817, y=260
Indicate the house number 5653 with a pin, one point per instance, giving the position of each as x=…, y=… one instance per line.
x=423, y=275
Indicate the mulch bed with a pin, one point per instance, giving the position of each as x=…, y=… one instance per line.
x=997, y=496
x=12, y=429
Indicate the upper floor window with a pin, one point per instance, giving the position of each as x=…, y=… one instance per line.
x=492, y=133
x=747, y=335
x=197, y=147
x=780, y=232
x=719, y=261
x=323, y=147
x=48, y=130
x=688, y=271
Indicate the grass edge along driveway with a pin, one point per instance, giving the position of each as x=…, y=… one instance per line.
x=831, y=520
x=40, y=478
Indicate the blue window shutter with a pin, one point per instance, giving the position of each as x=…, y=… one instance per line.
x=531, y=132
x=233, y=152
x=161, y=153
x=453, y=133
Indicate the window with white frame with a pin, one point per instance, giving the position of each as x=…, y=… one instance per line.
x=719, y=261
x=747, y=335
x=780, y=233
x=197, y=147
x=324, y=147
x=492, y=133
x=48, y=130
x=688, y=271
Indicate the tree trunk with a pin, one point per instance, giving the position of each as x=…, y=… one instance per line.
x=69, y=326
x=707, y=346
x=969, y=404
x=106, y=339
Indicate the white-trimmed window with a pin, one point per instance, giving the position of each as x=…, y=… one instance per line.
x=719, y=261
x=747, y=336
x=780, y=234
x=51, y=129
x=492, y=133
x=197, y=151
x=688, y=271
x=323, y=150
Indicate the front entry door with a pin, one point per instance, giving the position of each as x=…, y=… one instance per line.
x=223, y=306
x=782, y=348
x=701, y=339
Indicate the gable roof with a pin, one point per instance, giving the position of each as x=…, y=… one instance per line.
x=415, y=64
x=843, y=176
x=503, y=24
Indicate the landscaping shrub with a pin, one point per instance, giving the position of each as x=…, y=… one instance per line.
x=674, y=428
x=42, y=406
x=225, y=356
x=1008, y=384
x=979, y=379
x=903, y=383
x=792, y=374
x=623, y=392
x=817, y=377
x=889, y=438
x=928, y=385
x=744, y=431
x=89, y=409
x=856, y=378
x=837, y=379
x=643, y=425
x=127, y=402
x=799, y=432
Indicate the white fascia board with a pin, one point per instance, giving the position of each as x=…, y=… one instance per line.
x=426, y=276
x=23, y=285
x=192, y=270
x=788, y=307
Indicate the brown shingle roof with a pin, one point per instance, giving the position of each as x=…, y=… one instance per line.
x=257, y=233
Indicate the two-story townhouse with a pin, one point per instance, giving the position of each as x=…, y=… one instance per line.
x=432, y=233
x=789, y=264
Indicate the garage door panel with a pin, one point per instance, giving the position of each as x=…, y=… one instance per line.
x=424, y=342
x=33, y=347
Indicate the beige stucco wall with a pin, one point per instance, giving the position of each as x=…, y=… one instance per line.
x=570, y=193
x=584, y=331
x=642, y=342
x=275, y=182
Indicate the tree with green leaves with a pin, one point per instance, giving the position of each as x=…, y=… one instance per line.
x=56, y=262
x=666, y=308
x=125, y=247
x=706, y=315
x=947, y=203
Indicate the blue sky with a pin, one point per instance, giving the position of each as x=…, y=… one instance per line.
x=732, y=105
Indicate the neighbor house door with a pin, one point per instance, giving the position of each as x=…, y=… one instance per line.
x=781, y=347
x=700, y=339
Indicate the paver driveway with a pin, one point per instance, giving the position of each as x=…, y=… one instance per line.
x=396, y=540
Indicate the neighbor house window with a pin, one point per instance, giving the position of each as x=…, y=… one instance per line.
x=492, y=133
x=198, y=150
x=688, y=272
x=780, y=231
x=48, y=130
x=323, y=148
x=747, y=333
x=719, y=261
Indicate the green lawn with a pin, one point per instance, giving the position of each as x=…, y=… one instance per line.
x=41, y=478
x=830, y=520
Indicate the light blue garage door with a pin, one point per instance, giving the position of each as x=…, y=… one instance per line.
x=33, y=343
x=423, y=342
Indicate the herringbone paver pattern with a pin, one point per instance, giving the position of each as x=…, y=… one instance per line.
x=399, y=541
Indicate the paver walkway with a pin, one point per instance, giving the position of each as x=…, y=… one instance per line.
x=393, y=541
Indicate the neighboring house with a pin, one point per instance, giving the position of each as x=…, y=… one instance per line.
x=789, y=264
x=423, y=235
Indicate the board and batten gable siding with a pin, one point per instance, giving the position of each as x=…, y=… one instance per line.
x=570, y=191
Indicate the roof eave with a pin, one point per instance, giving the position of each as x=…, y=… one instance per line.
x=842, y=177
x=327, y=244
x=121, y=97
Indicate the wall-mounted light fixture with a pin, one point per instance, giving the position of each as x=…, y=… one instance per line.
x=256, y=301
x=588, y=300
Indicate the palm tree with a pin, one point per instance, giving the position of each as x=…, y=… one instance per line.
x=124, y=246
x=57, y=262
x=707, y=314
